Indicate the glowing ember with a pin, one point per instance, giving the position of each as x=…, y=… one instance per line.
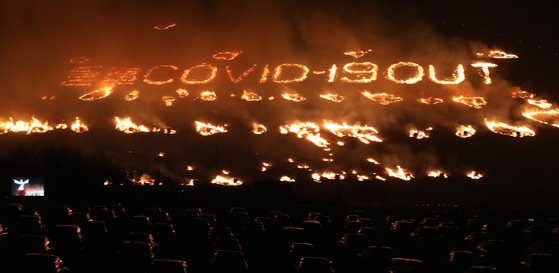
x=362, y=177
x=132, y=95
x=417, y=77
x=286, y=178
x=250, y=96
x=183, y=93
x=457, y=77
x=363, y=133
x=190, y=168
x=474, y=174
x=549, y=117
x=265, y=166
x=172, y=25
x=78, y=126
x=258, y=128
x=98, y=94
x=543, y=104
x=208, y=96
x=499, y=54
x=399, y=173
x=484, y=66
x=226, y=55
x=474, y=102
x=357, y=53
x=208, y=129
x=47, y=98
x=430, y=100
x=293, y=97
x=372, y=160
x=420, y=134
x=225, y=180
x=437, y=174
x=465, y=131
x=382, y=98
x=509, y=130
x=303, y=166
x=308, y=130
x=332, y=97
x=22, y=126
x=168, y=100
x=161, y=154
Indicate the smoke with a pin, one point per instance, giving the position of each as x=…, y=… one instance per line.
x=120, y=34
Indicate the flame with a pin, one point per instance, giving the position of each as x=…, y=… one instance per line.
x=330, y=175
x=21, y=126
x=430, y=100
x=372, y=160
x=190, y=168
x=133, y=95
x=520, y=94
x=172, y=25
x=161, y=154
x=437, y=173
x=484, y=70
x=98, y=94
x=208, y=95
x=127, y=126
x=303, y=166
x=143, y=180
x=308, y=130
x=168, y=100
x=332, y=97
x=366, y=72
x=381, y=98
x=208, y=129
x=363, y=133
x=183, y=93
x=226, y=180
x=420, y=134
x=357, y=53
x=378, y=177
x=362, y=177
x=211, y=75
x=258, y=128
x=474, y=102
x=509, y=130
x=474, y=174
x=410, y=80
x=457, y=77
x=250, y=96
x=543, y=104
x=265, y=166
x=293, y=97
x=465, y=131
x=286, y=178
x=279, y=70
x=79, y=127
x=399, y=173
x=147, y=76
x=47, y=98
x=499, y=54
x=226, y=55
x=549, y=117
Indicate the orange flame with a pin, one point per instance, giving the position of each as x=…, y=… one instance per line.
x=226, y=55
x=168, y=100
x=420, y=134
x=286, y=178
x=484, y=66
x=520, y=94
x=357, y=53
x=127, y=126
x=474, y=174
x=430, y=100
x=437, y=174
x=250, y=96
x=208, y=95
x=208, y=129
x=78, y=126
x=332, y=97
x=499, y=54
x=133, y=95
x=457, y=77
x=183, y=93
x=172, y=25
x=98, y=94
x=258, y=128
x=363, y=133
x=293, y=97
x=399, y=173
x=381, y=98
x=543, y=104
x=474, y=102
x=549, y=117
x=465, y=131
x=308, y=130
x=21, y=126
x=226, y=180
x=509, y=130
x=410, y=80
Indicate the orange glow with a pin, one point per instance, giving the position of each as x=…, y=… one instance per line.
x=474, y=102
x=133, y=95
x=172, y=25
x=382, y=98
x=549, y=117
x=78, y=126
x=226, y=55
x=363, y=133
x=250, y=96
x=98, y=94
x=147, y=76
x=484, y=66
x=499, y=54
x=183, y=93
x=22, y=126
x=365, y=72
x=143, y=180
x=474, y=174
x=372, y=160
x=190, y=168
x=357, y=53
x=226, y=180
x=293, y=97
x=240, y=77
x=543, y=104
x=46, y=98
x=332, y=97
x=304, y=71
x=208, y=129
x=168, y=100
x=211, y=75
x=161, y=154
x=437, y=174
x=286, y=178
x=399, y=173
x=258, y=128
x=265, y=166
x=127, y=126
x=308, y=130
x=430, y=100
x=509, y=130
x=208, y=96
x=457, y=77
x=519, y=94
x=419, y=73
x=465, y=131
x=420, y=134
